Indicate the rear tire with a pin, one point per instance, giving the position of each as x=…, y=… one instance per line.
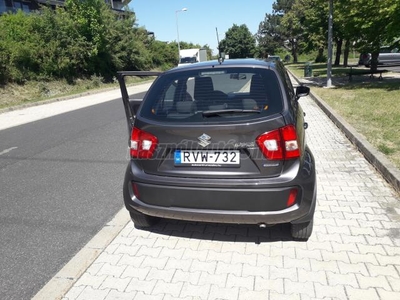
x=141, y=220
x=302, y=231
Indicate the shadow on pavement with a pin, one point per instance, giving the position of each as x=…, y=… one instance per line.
x=223, y=232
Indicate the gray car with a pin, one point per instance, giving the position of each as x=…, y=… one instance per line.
x=388, y=55
x=220, y=142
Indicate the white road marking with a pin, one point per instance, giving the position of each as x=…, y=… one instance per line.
x=7, y=150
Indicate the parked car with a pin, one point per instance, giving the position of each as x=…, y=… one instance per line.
x=220, y=142
x=274, y=58
x=388, y=55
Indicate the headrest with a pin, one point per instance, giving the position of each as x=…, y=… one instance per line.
x=202, y=87
x=249, y=104
x=185, y=107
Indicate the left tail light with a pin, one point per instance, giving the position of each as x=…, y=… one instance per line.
x=143, y=144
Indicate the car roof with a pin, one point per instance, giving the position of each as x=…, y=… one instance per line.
x=237, y=62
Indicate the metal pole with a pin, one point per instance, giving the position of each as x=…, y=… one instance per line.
x=330, y=34
x=219, y=50
x=177, y=32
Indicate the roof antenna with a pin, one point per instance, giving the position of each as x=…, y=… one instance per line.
x=221, y=55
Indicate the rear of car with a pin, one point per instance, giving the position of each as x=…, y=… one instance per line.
x=274, y=58
x=365, y=59
x=221, y=142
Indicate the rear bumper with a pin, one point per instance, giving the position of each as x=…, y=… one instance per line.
x=235, y=201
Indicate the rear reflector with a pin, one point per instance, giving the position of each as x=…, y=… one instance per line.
x=279, y=144
x=143, y=144
x=292, y=198
x=135, y=190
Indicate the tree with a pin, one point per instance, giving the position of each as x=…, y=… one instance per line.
x=164, y=55
x=374, y=23
x=83, y=39
x=269, y=36
x=282, y=7
x=62, y=50
x=19, y=44
x=293, y=31
x=280, y=29
x=238, y=42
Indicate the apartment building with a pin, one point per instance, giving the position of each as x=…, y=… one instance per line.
x=29, y=5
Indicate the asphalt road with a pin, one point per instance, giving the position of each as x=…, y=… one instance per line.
x=61, y=182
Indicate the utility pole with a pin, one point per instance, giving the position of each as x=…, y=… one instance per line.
x=330, y=34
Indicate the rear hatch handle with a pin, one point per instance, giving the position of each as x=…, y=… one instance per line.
x=130, y=113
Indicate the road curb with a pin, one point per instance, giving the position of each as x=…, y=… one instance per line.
x=377, y=159
x=62, y=282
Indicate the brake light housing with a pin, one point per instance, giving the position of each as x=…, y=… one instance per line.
x=143, y=144
x=279, y=144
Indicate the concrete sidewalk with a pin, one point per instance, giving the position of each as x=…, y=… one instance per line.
x=354, y=252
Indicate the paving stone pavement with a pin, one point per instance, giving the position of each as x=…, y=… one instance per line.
x=353, y=253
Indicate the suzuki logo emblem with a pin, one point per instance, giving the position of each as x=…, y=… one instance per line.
x=204, y=140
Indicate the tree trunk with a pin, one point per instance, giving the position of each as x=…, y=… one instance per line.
x=374, y=61
x=339, y=44
x=294, y=50
x=346, y=53
x=320, y=57
x=374, y=55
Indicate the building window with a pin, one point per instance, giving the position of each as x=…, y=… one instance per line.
x=2, y=6
x=24, y=6
x=13, y=6
x=5, y=5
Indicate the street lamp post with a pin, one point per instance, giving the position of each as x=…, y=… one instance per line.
x=177, y=31
x=330, y=25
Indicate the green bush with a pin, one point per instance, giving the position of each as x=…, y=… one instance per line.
x=83, y=39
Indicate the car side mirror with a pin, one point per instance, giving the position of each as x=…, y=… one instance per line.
x=302, y=91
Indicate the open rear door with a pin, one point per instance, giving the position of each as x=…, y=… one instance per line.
x=131, y=105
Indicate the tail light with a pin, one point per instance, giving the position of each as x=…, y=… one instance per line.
x=279, y=144
x=143, y=144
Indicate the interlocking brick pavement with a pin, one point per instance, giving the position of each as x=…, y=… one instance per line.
x=352, y=254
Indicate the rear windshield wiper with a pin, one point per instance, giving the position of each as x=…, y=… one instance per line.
x=211, y=113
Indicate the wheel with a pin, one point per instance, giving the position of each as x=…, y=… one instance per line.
x=302, y=231
x=141, y=220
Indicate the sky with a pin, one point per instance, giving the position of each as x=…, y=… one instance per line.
x=198, y=24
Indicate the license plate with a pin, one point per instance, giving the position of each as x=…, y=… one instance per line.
x=210, y=158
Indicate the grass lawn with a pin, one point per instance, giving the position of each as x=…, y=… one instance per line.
x=372, y=107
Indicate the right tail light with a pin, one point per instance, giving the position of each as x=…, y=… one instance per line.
x=279, y=144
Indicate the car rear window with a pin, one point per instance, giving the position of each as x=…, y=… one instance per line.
x=212, y=94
